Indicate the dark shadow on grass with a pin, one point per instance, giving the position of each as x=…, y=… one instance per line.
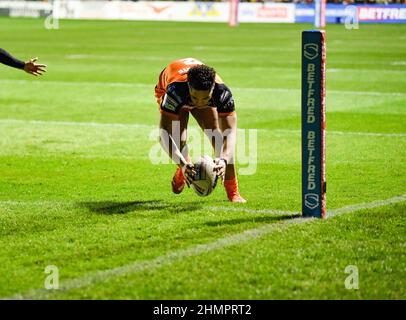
x=123, y=207
x=262, y=219
x=185, y=207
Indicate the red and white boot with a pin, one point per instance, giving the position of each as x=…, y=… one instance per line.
x=178, y=181
x=233, y=195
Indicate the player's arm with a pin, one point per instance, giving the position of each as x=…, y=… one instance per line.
x=31, y=66
x=227, y=120
x=171, y=147
x=7, y=59
x=228, y=126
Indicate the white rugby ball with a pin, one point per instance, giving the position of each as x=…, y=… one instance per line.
x=205, y=179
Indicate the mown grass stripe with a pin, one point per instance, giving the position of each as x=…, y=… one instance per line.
x=150, y=126
x=152, y=85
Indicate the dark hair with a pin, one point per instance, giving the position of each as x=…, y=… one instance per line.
x=201, y=77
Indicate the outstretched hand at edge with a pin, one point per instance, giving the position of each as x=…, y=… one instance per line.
x=34, y=68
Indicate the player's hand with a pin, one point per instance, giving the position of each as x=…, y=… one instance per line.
x=34, y=68
x=220, y=166
x=189, y=173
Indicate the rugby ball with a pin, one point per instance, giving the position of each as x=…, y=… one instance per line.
x=205, y=179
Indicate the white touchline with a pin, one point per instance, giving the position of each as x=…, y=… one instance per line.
x=152, y=85
x=343, y=133
x=82, y=83
x=53, y=203
x=70, y=203
x=118, y=57
x=76, y=123
x=151, y=126
x=178, y=255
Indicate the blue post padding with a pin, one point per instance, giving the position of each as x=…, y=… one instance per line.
x=312, y=146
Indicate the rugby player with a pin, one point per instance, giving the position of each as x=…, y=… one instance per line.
x=31, y=66
x=188, y=86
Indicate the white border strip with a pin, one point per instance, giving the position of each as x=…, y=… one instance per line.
x=174, y=256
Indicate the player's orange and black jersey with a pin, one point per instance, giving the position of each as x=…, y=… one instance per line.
x=172, y=91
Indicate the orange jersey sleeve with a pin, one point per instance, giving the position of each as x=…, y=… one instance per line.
x=176, y=71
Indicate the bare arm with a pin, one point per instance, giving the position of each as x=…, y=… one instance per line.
x=228, y=126
x=171, y=146
x=167, y=142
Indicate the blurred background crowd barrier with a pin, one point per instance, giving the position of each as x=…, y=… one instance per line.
x=371, y=11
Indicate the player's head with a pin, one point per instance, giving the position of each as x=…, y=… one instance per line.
x=201, y=81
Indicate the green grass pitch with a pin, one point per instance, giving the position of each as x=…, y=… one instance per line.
x=78, y=191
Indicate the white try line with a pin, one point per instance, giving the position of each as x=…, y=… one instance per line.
x=152, y=126
x=253, y=211
x=152, y=85
x=69, y=204
x=368, y=205
x=179, y=255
